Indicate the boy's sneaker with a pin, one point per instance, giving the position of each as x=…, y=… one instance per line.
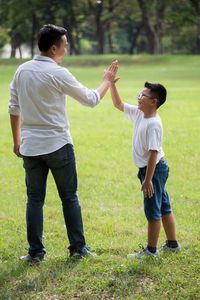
x=32, y=259
x=167, y=248
x=144, y=252
x=84, y=252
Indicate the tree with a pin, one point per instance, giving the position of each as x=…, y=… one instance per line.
x=69, y=13
x=4, y=37
x=104, y=13
x=153, y=28
x=129, y=26
x=179, y=31
x=131, y=22
x=196, y=5
x=96, y=9
x=15, y=18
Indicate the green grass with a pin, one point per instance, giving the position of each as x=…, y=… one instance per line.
x=109, y=191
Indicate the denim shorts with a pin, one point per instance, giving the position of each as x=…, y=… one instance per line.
x=159, y=203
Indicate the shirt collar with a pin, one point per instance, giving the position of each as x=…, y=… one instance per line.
x=44, y=58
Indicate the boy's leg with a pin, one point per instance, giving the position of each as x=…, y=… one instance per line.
x=153, y=205
x=152, y=211
x=169, y=226
x=153, y=233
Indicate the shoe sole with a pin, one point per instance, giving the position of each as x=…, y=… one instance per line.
x=130, y=256
x=32, y=260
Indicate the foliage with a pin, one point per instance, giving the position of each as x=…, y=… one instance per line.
x=4, y=37
x=109, y=192
x=111, y=26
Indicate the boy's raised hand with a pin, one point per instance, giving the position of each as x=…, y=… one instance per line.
x=110, y=74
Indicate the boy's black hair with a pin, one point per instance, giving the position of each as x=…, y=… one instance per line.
x=50, y=35
x=157, y=91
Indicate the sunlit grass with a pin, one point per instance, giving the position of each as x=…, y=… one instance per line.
x=109, y=192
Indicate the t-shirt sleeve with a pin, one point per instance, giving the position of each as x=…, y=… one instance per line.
x=131, y=112
x=154, y=139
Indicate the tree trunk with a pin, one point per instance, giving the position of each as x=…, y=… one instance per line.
x=20, y=51
x=198, y=34
x=135, y=33
x=110, y=45
x=69, y=22
x=160, y=12
x=100, y=30
x=152, y=35
x=13, y=44
x=196, y=5
x=71, y=40
x=34, y=26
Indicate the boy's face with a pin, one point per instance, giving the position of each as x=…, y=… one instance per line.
x=145, y=100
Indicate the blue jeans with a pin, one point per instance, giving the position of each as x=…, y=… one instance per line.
x=159, y=204
x=63, y=167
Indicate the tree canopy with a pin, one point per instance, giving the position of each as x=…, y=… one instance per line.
x=106, y=26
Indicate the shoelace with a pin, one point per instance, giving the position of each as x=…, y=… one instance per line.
x=141, y=247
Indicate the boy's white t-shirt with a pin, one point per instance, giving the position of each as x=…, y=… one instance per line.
x=147, y=135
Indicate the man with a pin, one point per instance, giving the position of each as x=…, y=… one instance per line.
x=41, y=136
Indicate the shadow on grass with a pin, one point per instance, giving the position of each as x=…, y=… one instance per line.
x=21, y=277
x=110, y=273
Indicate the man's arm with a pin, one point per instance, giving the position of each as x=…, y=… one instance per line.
x=87, y=97
x=103, y=88
x=15, y=122
x=147, y=185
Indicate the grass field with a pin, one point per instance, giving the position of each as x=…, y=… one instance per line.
x=109, y=192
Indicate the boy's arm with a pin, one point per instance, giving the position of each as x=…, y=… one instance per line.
x=15, y=121
x=147, y=185
x=118, y=103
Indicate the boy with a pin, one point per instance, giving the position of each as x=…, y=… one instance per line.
x=148, y=156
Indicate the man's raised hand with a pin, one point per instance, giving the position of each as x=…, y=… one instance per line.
x=110, y=74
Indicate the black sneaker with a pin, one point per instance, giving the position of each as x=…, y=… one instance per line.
x=32, y=259
x=84, y=252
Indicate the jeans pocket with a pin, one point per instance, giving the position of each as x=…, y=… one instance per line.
x=63, y=153
x=61, y=157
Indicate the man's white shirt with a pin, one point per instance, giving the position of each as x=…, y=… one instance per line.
x=147, y=135
x=38, y=93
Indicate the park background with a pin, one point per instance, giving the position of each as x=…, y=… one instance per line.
x=103, y=26
x=165, y=39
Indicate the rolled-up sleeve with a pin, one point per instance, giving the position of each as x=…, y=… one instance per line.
x=71, y=87
x=13, y=106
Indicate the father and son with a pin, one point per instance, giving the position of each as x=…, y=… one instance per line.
x=41, y=136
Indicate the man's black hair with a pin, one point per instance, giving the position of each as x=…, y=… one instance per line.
x=50, y=35
x=157, y=91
